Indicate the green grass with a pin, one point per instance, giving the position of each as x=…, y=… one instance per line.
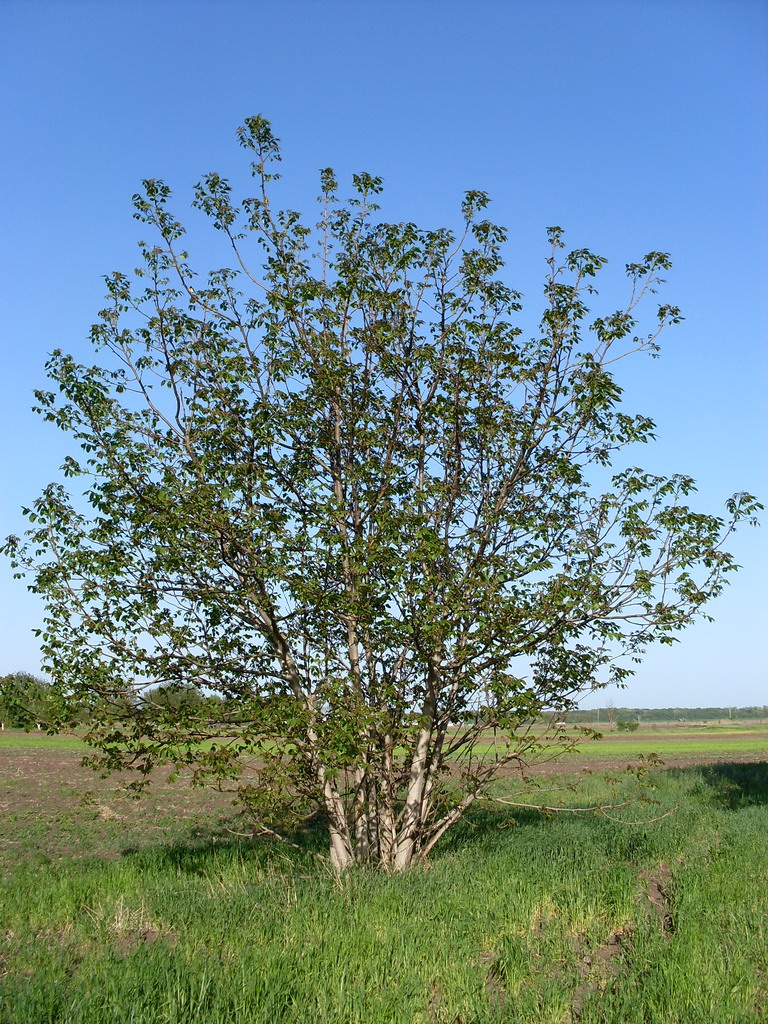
x=531, y=919
x=39, y=740
x=682, y=744
x=675, y=746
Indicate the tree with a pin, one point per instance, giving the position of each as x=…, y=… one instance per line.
x=610, y=711
x=24, y=701
x=173, y=697
x=345, y=493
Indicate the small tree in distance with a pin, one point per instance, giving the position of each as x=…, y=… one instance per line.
x=24, y=701
x=342, y=491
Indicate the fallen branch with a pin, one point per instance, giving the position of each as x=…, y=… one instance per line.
x=596, y=809
x=262, y=830
x=559, y=810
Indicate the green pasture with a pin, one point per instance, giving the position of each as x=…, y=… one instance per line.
x=521, y=917
x=17, y=740
x=675, y=746
x=671, y=743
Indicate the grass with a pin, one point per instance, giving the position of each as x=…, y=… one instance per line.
x=523, y=918
x=669, y=743
x=675, y=746
x=18, y=740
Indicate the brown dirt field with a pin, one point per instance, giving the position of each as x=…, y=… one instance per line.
x=52, y=807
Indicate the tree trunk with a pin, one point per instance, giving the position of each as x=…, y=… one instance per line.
x=362, y=817
x=409, y=830
x=341, y=855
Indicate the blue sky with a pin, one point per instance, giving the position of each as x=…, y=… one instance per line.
x=635, y=125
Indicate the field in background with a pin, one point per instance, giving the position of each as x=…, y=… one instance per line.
x=152, y=912
x=677, y=745
x=730, y=737
x=674, y=743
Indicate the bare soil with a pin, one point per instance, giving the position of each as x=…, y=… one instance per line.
x=52, y=807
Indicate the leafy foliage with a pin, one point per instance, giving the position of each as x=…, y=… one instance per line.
x=24, y=700
x=347, y=495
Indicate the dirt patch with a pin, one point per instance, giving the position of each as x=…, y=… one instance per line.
x=599, y=966
x=656, y=896
x=434, y=1004
x=494, y=988
x=129, y=942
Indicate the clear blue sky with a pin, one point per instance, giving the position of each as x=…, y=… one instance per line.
x=635, y=125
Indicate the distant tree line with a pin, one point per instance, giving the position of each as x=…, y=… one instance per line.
x=28, y=701
x=609, y=714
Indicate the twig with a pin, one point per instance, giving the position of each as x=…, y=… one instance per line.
x=643, y=821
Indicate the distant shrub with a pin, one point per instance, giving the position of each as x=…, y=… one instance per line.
x=625, y=726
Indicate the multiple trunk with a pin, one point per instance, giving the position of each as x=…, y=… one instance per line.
x=387, y=812
x=371, y=824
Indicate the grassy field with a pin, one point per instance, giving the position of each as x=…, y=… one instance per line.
x=115, y=911
x=682, y=741
x=674, y=741
x=677, y=744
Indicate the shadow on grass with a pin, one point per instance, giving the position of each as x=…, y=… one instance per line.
x=737, y=784
x=487, y=828
x=729, y=785
x=194, y=852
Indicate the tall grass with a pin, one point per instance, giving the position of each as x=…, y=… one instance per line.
x=531, y=919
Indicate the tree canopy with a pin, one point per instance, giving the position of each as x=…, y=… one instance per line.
x=339, y=486
x=24, y=701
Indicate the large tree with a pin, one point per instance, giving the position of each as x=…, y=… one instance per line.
x=344, y=491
